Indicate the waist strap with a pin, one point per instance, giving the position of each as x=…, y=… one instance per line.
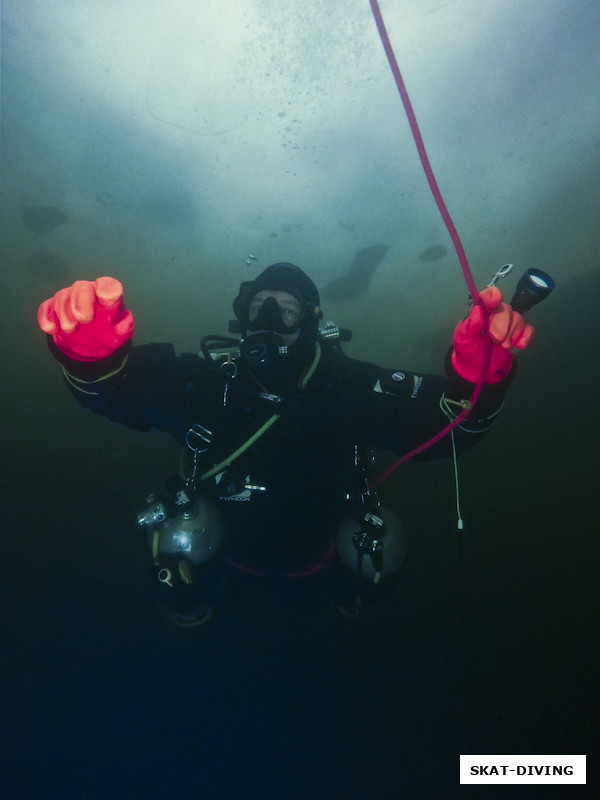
x=322, y=562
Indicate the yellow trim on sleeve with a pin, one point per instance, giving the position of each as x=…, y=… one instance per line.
x=79, y=383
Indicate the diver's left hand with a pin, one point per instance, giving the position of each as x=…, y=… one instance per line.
x=507, y=329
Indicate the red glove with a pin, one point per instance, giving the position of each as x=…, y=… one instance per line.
x=507, y=329
x=87, y=320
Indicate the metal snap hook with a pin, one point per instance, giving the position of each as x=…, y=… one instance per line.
x=198, y=438
x=504, y=270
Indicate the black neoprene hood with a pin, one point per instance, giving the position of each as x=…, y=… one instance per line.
x=282, y=277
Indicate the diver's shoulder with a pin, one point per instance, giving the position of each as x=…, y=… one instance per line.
x=162, y=357
x=336, y=363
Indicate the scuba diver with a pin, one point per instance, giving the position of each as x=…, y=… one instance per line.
x=277, y=430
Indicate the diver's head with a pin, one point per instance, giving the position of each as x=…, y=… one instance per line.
x=276, y=279
x=279, y=314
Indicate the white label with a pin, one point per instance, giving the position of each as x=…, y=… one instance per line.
x=522, y=769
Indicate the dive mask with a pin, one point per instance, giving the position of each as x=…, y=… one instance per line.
x=273, y=317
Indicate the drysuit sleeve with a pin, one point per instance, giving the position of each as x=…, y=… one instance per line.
x=143, y=387
x=405, y=409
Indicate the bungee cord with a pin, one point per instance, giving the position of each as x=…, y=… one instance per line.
x=387, y=46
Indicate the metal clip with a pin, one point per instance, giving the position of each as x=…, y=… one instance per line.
x=198, y=439
x=196, y=436
x=504, y=270
x=271, y=398
x=231, y=369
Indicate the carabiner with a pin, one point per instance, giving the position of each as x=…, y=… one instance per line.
x=504, y=270
x=200, y=435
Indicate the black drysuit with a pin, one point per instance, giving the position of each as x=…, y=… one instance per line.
x=305, y=462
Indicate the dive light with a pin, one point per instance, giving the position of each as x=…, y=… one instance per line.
x=533, y=287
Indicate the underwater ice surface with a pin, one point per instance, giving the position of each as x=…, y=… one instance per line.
x=42, y=219
x=357, y=279
x=165, y=148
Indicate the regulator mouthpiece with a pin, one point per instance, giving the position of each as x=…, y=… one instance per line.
x=534, y=286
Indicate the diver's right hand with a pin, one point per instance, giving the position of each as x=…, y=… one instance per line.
x=88, y=320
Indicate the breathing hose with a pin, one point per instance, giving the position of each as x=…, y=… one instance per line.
x=453, y=235
x=263, y=429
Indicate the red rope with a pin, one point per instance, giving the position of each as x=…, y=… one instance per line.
x=453, y=235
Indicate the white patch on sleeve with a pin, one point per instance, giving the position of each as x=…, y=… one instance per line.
x=418, y=381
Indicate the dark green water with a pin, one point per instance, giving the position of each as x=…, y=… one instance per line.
x=494, y=652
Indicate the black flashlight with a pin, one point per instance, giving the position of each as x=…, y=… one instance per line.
x=534, y=286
